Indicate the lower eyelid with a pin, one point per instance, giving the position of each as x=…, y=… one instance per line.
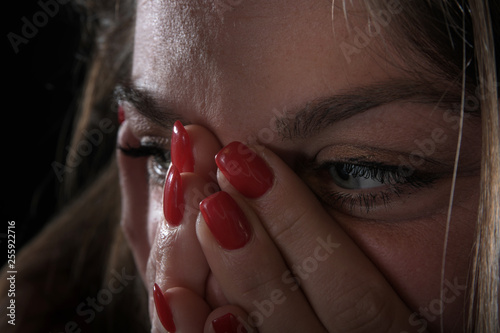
x=364, y=200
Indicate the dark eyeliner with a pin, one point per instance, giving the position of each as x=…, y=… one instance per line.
x=158, y=162
x=395, y=181
x=384, y=173
x=145, y=150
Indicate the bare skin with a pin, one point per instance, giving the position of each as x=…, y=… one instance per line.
x=228, y=75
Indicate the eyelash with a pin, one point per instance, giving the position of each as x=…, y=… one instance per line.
x=158, y=165
x=394, y=179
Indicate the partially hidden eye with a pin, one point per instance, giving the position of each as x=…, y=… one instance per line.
x=358, y=177
x=357, y=187
x=353, y=177
x=158, y=163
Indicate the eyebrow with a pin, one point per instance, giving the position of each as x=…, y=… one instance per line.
x=314, y=116
x=318, y=114
x=145, y=103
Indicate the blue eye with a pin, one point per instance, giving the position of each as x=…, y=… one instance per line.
x=357, y=186
x=358, y=177
x=353, y=177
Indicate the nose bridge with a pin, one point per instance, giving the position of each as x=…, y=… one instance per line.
x=225, y=98
x=234, y=112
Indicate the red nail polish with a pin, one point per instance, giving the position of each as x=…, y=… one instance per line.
x=173, y=197
x=245, y=170
x=163, y=309
x=182, y=155
x=228, y=324
x=226, y=220
x=121, y=115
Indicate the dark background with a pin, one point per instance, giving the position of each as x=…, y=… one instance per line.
x=40, y=97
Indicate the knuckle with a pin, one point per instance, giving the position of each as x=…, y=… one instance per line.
x=258, y=285
x=289, y=222
x=365, y=308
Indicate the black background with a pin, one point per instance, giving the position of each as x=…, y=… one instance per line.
x=40, y=94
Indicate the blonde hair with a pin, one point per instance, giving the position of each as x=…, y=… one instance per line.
x=484, y=317
x=474, y=27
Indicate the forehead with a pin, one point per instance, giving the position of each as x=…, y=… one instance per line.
x=245, y=32
x=223, y=54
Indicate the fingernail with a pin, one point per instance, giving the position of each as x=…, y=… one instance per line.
x=163, y=309
x=121, y=115
x=173, y=197
x=245, y=170
x=226, y=220
x=182, y=155
x=228, y=324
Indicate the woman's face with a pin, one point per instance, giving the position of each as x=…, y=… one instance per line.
x=331, y=97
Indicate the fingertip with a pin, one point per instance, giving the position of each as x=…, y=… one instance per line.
x=205, y=146
x=226, y=220
x=188, y=311
x=228, y=319
x=247, y=172
x=163, y=309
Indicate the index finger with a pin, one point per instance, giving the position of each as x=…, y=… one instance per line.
x=344, y=287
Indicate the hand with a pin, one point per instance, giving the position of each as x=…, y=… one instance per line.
x=176, y=263
x=165, y=247
x=286, y=266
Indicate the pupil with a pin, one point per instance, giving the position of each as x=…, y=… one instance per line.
x=342, y=172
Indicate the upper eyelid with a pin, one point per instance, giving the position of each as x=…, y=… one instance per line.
x=149, y=145
x=372, y=156
x=143, y=102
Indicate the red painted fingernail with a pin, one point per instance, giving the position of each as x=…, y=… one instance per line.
x=245, y=170
x=226, y=220
x=163, y=309
x=121, y=115
x=228, y=324
x=173, y=197
x=182, y=155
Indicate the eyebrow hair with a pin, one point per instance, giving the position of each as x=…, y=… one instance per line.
x=315, y=115
x=145, y=103
x=320, y=113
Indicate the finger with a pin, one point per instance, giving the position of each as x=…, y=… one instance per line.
x=176, y=259
x=228, y=319
x=346, y=290
x=204, y=146
x=249, y=267
x=179, y=310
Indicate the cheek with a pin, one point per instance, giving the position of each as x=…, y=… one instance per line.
x=409, y=255
x=134, y=189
